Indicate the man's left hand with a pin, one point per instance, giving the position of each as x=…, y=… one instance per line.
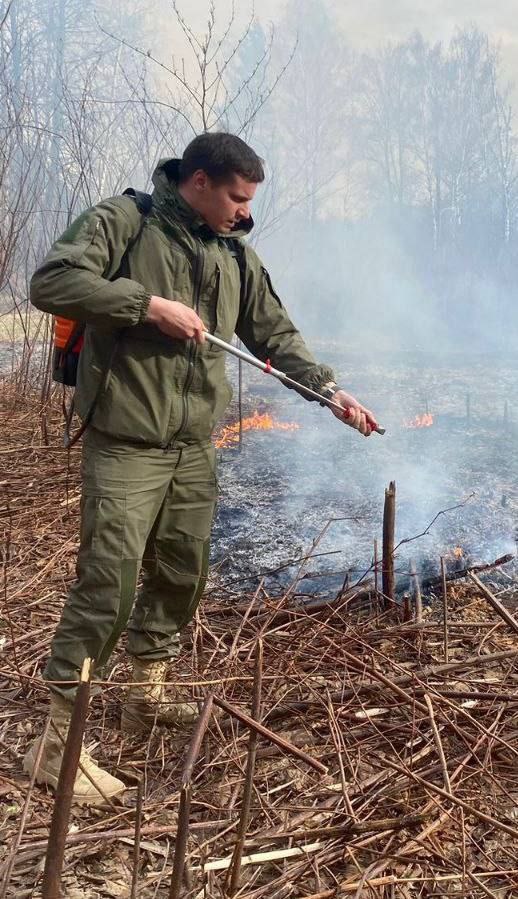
x=358, y=416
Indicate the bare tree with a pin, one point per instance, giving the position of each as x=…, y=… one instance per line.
x=385, y=119
x=202, y=90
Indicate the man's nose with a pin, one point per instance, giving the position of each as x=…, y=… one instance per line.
x=244, y=212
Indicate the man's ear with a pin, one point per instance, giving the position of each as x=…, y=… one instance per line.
x=200, y=180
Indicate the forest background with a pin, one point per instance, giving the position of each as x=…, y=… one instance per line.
x=390, y=212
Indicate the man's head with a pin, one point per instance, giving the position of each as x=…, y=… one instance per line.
x=219, y=175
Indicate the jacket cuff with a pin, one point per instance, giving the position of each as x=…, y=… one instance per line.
x=317, y=377
x=144, y=306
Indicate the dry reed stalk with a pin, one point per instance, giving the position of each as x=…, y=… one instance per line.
x=51, y=887
x=232, y=881
x=330, y=676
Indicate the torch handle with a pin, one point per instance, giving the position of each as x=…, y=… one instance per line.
x=285, y=379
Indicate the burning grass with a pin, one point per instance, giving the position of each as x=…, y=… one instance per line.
x=259, y=421
x=397, y=774
x=425, y=420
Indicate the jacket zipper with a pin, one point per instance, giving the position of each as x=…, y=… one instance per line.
x=191, y=359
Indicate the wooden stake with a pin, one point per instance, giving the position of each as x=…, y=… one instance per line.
x=51, y=888
x=444, y=609
x=418, y=601
x=232, y=880
x=180, y=844
x=376, y=574
x=389, y=523
x=182, y=831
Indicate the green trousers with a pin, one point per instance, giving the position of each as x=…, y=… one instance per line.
x=142, y=509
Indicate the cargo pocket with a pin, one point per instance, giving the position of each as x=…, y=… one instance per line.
x=103, y=526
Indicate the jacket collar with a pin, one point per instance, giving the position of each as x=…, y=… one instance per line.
x=169, y=202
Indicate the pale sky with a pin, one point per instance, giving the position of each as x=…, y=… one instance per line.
x=374, y=21
x=371, y=22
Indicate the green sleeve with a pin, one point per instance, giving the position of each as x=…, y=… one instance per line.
x=267, y=331
x=73, y=280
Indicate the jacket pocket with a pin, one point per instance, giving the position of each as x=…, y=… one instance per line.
x=226, y=305
x=75, y=242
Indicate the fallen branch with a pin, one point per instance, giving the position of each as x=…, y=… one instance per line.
x=259, y=858
x=392, y=880
x=470, y=809
x=407, y=679
x=495, y=603
x=270, y=735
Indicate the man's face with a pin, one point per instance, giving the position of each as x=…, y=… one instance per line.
x=223, y=205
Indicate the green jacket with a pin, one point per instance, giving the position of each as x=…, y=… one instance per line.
x=154, y=389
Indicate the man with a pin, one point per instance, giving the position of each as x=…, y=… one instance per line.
x=153, y=389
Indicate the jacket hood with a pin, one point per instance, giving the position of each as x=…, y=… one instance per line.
x=169, y=201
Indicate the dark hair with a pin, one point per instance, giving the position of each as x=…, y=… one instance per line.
x=221, y=155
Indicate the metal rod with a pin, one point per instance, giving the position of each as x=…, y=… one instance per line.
x=240, y=403
x=270, y=370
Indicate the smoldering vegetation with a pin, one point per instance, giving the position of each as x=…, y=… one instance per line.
x=388, y=222
x=450, y=448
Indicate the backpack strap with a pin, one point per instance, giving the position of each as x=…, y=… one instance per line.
x=143, y=202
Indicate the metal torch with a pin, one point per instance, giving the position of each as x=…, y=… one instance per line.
x=268, y=369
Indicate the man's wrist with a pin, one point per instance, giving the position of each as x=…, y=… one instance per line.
x=329, y=389
x=144, y=309
x=154, y=310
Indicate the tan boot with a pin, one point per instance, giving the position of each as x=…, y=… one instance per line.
x=148, y=704
x=48, y=771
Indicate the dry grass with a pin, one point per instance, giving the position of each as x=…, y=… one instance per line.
x=419, y=798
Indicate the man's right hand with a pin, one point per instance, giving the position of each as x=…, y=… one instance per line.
x=175, y=319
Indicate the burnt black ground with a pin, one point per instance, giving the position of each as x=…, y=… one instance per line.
x=278, y=494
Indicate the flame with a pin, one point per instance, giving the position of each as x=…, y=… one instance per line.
x=456, y=554
x=229, y=435
x=420, y=421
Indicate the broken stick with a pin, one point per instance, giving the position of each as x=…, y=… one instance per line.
x=269, y=734
x=495, y=603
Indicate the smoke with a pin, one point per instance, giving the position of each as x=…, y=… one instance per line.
x=454, y=479
x=389, y=224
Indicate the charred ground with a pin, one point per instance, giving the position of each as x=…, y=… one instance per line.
x=345, y=684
